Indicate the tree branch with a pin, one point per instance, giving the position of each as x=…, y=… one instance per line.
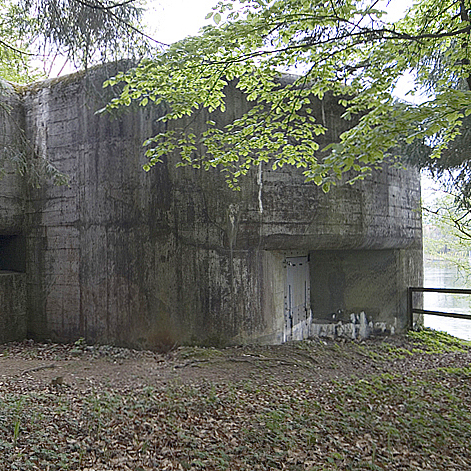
x=132, y=27
x=100, y=6
x=14, y=49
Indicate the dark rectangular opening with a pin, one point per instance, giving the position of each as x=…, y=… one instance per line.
x=13, y=253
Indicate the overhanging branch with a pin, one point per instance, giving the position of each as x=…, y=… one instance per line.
x=14, y=49
x=100, y=6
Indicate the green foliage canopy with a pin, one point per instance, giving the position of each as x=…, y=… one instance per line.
x=79, y=31
x=82, y=32
x=347, y=48
x=14, y=58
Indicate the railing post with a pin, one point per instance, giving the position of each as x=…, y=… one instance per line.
x=410, y=314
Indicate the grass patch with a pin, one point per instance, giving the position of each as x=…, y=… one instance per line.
x=433, y=341
x=199, y=353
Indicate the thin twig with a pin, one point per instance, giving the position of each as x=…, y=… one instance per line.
x=38, y=368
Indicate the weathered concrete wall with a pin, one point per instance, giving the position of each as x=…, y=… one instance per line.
x=378, y=213
x=12, y=306
x=128, y=257
x=173, y=255
x=12, y=203
x=346, y=283
x=12, y=195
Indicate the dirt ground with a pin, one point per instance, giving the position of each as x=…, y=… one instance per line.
x=395, y=403
x=36, y=366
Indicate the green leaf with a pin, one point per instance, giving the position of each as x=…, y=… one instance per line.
x=326, y=187
x=341, y=70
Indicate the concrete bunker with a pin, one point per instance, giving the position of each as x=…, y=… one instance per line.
x=174, y=256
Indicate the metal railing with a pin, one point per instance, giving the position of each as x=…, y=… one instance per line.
x=412, y=310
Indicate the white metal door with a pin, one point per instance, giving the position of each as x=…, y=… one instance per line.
x=297, y=298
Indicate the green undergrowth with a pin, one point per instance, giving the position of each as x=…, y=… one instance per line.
x=423, y=341
x=433, y=341
x=387, y=421
x=381, y=422
x=199, y=353
x=391, y=421
x=393, y=352
x=383, y=351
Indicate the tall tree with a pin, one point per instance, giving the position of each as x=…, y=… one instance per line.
x=83, y=32
x=79, y=31
x=347, y=48
x=14, y=58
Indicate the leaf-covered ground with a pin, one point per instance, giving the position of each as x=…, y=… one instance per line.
x=400, y=403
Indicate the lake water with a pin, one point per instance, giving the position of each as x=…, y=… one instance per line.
x=443, y=275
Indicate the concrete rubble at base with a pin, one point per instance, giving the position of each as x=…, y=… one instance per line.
x=358, y=328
